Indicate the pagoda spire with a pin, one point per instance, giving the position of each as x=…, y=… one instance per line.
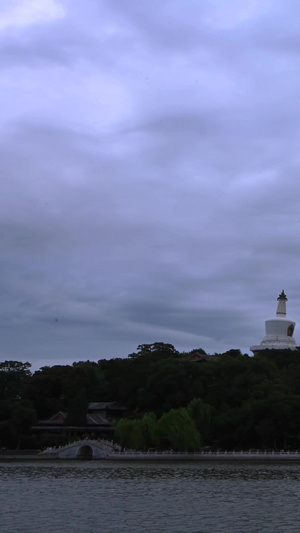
x=279, y=330
x=281, y=307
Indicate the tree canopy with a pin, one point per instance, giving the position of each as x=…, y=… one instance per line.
x=173, y=399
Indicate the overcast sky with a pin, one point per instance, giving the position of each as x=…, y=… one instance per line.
x=150, y=169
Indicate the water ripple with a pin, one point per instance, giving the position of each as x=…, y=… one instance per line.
x=167, y=498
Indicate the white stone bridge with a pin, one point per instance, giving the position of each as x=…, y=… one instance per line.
x=83, y=449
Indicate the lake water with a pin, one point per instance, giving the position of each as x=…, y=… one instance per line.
x=142, y=498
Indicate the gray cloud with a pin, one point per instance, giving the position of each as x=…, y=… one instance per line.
x=149, y=169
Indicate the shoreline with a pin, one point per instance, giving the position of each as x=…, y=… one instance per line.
x=260, y=457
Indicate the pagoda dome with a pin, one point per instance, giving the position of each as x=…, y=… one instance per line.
x=279, y=330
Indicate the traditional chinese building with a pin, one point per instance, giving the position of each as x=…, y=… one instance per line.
x=99, y=421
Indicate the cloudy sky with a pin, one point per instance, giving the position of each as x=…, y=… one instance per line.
x=150, y=171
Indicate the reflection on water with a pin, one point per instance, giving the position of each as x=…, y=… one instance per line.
x=148, y=497
x=147, y=471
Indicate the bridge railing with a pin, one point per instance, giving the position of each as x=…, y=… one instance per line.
x=113, y=449
x=210, y=453
x=106, y=445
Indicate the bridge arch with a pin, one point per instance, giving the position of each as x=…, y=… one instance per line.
x=85, y=452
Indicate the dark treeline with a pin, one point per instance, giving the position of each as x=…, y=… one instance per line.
x=174, y=400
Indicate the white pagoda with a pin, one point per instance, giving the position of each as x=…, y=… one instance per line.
x=279, y=330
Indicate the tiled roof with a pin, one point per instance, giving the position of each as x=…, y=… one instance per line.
x=58, y=418
x=95, y=416
x=96, y=419
x=110, y=406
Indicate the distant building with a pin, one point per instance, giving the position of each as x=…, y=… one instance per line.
x=99, y=421
x=279, y=330
x=202, y=357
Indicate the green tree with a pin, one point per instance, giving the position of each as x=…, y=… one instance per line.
x=16, y=420
x=150, y=430
x=47, y=389
x=157, y=350
x=123, y=432
x=77, y=409
x=137, y=441
x=202, y=415
x=23, y=417
x=177, y=430
x=14, y=375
